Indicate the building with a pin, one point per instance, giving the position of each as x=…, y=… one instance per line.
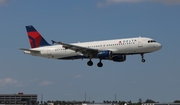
x=18, y=99
x=160, y=103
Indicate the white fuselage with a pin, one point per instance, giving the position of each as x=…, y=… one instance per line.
x=139, y=45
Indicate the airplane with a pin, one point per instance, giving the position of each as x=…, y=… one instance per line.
x=115, y=50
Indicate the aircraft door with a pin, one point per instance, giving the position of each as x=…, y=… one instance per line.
x=49, y=52
x=140, y=42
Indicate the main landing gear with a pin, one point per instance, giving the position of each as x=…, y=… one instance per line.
x=142, y=56
x=100, y=64
x=90, y=63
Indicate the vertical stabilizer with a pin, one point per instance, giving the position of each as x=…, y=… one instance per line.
x=35, y=38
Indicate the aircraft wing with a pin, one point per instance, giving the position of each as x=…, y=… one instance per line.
x=83, y=50
x=34, y=51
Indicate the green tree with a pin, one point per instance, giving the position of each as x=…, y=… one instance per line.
x=139, y=102
x=45, y=103
x=177, y=101
x=129, y=102
x=37, y=102
x=149, y=101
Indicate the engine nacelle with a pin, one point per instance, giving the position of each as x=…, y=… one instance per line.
x=119, y=58
x=104, y=54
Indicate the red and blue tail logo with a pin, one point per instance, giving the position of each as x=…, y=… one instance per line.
x=35, y=39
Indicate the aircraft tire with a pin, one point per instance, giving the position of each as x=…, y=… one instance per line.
x=90, y=63
x=143, y=60
x=100, y=64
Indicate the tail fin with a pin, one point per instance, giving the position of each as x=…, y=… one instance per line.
x=35, y=38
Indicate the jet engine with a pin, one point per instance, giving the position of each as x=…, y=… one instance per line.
x=104, y=54
x=119, y=58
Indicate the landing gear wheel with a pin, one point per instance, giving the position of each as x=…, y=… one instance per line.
x=100, y=64
x=142, y=56
x=89, y=63
x=143, y=60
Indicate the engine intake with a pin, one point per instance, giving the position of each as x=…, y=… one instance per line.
x=104, y=54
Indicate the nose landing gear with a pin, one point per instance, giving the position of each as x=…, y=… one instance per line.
x=142, y=56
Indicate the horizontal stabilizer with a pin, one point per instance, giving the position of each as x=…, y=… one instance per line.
x=34, y=51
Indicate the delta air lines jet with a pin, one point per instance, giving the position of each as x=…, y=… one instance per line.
x=115, y=50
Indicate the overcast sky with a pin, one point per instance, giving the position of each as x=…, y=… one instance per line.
x=88, y=20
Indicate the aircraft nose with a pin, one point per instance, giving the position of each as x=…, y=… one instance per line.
x=159, y=46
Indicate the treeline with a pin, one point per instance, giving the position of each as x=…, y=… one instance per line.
x=105, y=101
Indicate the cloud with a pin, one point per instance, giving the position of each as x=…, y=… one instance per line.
x=10, y=81
x=4, y=82
x=32, y=80
x=46, y=83
x=121, y=1
x=78, y=76
x=168, y=2
x=4, y=2
x=111, y=2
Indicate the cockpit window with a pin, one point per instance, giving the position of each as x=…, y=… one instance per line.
x=151, y=41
